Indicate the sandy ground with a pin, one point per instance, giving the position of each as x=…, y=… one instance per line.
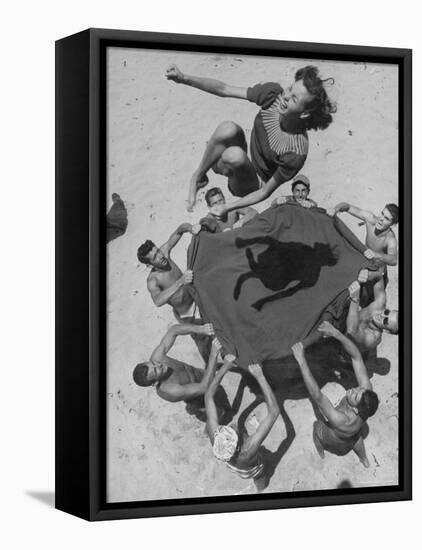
x=157, y=131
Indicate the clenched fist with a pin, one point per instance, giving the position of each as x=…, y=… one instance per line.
x=174, y=73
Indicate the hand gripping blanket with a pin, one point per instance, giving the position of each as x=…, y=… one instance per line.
x=268, y=284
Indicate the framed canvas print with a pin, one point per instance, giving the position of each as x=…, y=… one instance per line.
x=233, y=274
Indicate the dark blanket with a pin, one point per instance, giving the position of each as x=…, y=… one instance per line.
x=268, y=284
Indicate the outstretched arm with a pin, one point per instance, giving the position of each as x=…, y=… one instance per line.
x=210, y=85
x=334, y=417
x=176, y=236
x=358, y=365
x=210, y=407
x=355, y=211
x=161, y=297
x=248, y=200
x=353, y=314
x=251, y=445
x=178, y=330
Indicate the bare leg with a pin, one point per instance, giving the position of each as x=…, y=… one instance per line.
x=196, y=183
x=317, y=441
x=242, y=178
x=226, y=135
x=359, y=449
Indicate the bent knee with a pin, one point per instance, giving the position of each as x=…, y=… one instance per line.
x=234, y=156
x=229, y=130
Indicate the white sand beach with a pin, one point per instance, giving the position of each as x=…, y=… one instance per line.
x=157, y=131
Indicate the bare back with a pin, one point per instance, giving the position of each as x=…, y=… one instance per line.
x=352, y=422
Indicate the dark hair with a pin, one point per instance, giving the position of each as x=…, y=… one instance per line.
x=140, y=373
x=144, y=250
x=394, y=211
x=321, y=107
x=368, y=404
x=296, y=182
x=212, y=192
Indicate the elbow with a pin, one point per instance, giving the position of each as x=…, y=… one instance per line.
x=221, y=90
x=265, y=192
x=158, y=301
x=173, y=330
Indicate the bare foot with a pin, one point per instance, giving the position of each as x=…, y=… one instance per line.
x=197, y=181
x=359, y=449
x=364, y=461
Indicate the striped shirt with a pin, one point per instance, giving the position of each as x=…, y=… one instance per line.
x=274, y=152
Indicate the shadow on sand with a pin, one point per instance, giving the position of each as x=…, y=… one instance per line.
x=284, y=376
x=116, y=219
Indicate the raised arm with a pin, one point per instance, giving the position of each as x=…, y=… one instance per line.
x=251, y=445
x=353, y=314
x=355, y=211
x=178, y=330
x=214, y=383
x=248, y=200
x=176, y=236
x=334, y=417
x=161, y=297
x=359, y=367
x=210, y=85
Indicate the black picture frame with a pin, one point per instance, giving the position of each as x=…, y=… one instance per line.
x=81, y=283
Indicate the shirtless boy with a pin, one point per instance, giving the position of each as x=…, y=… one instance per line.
x=380, y=238
x=231, y=220
x=301, y=187
x=342, y=430
x=236, y=448
x=173, y=379
x=365, y=326
x=279, y=140
x=166, y=283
